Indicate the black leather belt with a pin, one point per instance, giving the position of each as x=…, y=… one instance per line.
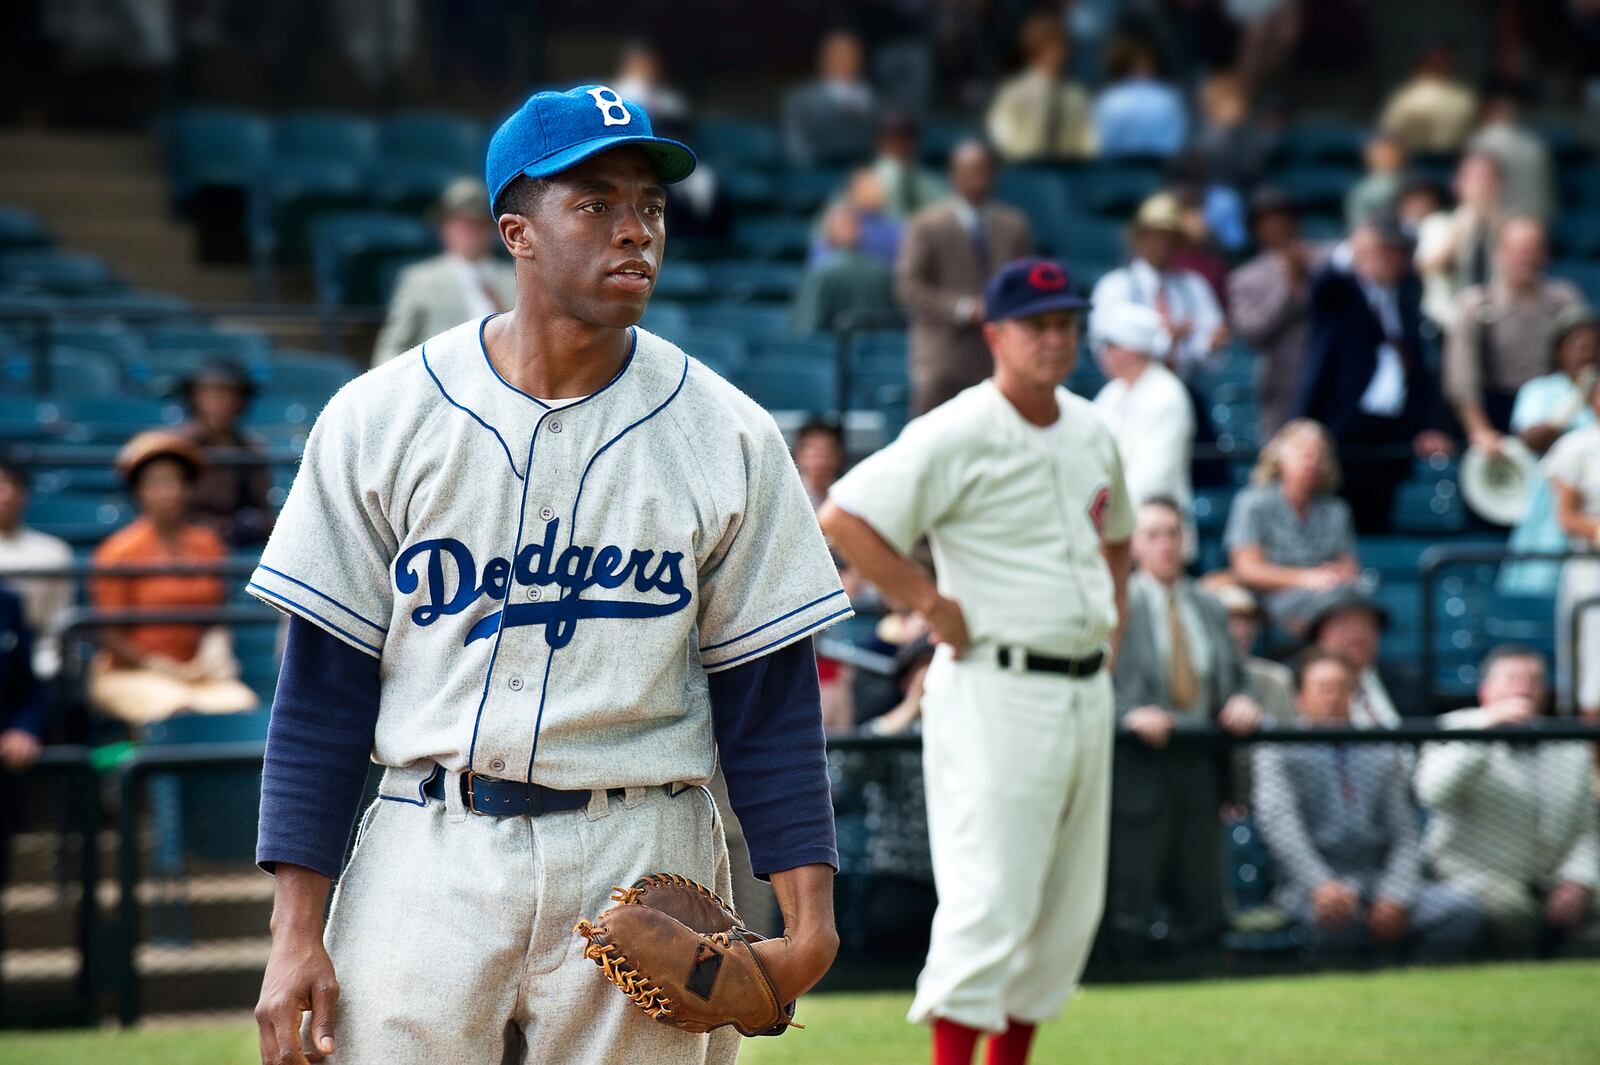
x=1087, y=666
x=509, y=798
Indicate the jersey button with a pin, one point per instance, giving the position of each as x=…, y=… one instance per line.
x=535, y=593
x=546, y=513
x=515, y=684
x=555, y=425
x=497, y=764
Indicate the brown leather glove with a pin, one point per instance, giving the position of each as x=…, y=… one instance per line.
x=680, y=953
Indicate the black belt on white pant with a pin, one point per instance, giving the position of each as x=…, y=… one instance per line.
x=1021, y=660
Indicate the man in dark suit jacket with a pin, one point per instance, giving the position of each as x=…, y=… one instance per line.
x=1177, y=667
x=947, y=255
x=1365, y=377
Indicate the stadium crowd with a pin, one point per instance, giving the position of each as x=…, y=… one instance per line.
x=1424, y=322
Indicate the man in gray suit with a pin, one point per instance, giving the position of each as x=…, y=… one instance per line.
x=947, y=255
x=1177, y=667
x=463, y=282
x=1339, y=824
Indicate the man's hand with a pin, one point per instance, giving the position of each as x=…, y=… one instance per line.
x=1388, y=921
x=809, y=942
x=1489, y=441
x=1323, y=578
x=18, y=749
x=299, y=974
x=1512, y=710
x=1240, y=716
x=946, y=623
x=1566, y=905
x=1333, y=902
x=1151, y=724
x=1432, y=442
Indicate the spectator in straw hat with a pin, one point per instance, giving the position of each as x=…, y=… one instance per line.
x=1182, y=298
x=147, y=672
x=464, y=281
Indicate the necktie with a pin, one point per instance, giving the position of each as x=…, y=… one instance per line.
x=1182, y=686
x=980, y=246
x=1052, y=121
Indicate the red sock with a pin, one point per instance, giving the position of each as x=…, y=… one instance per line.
x=1010, y=1047
x=953, y=1043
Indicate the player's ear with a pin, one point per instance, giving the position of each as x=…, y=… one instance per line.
x=517, y=235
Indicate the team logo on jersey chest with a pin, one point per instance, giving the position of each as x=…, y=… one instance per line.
x=450, y=582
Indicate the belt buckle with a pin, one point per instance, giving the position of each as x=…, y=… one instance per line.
x=471, y=801
x=1016, y=659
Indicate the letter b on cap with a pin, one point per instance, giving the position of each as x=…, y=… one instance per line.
x=611, y=106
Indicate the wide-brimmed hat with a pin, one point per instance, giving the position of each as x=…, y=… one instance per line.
x=465, y=197
x=154, y=444
x=1343, y=601
x=1161, y=213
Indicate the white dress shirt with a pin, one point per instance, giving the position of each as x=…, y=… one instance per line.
x=1187, y=297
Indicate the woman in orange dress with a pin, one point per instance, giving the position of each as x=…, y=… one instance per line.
x=145, y=673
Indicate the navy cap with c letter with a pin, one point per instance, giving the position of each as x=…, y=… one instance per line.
x=557, y=130
x=1023, y=288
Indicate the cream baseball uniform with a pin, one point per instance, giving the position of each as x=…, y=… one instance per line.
x=546, y=589
x=1017, y=764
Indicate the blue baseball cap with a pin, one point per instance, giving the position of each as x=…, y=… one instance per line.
x=557, y=130
x=1023, y=288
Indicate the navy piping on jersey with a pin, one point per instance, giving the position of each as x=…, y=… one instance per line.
x=308, y=612
x=421, y=799
x=774, y=621
x=324, y=595
x=469, y=412
x=484, y=347
x=790, y=638
x=522, y=513
x=572, y=525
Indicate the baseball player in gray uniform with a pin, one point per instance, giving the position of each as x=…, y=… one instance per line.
x=1019, y=489
x=544, y=569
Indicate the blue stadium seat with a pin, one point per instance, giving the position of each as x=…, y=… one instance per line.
x=1117, y=189
x=753, y=279
x=666, y=319
x=1584, y=274
x=754, y=322
x=1429, y=506
x=113, y=418
x=21, y=229
x=109, y=335
x=349, y=247
x=796, y=351
x=893, y=404
x=1577, y=233
x=68, y=273
x=215, y=148
x=805, y=190
x=868, y=385
x=161, y=371
x=71, y=372
x=281, y=411
x=682, y=281
x=136, y=305
x=234, y=344
x=746, y=189
x=411, y=186
x=431, y=136
x=773, y=237
x=740, y=141
x=47, y=512
x=1323, y=143
x=1041, y=194
x=325, y=135
x=307, y=375
x=293, y=190
x=724, y=350
x=28, y=419
x=1090, y=240
x=1579, y=184
x=873, y=347
x=805, y=388
x=1317, y=188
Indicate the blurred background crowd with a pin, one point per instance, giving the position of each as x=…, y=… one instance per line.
x=1342, y=256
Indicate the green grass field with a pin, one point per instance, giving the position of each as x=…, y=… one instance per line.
x=1490, y=1015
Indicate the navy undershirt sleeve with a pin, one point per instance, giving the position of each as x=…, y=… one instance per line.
x=319, y=747
x=767, y=716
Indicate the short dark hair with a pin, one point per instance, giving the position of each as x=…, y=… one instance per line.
x=521, y=196
x=1313, y=656
x=1507, y=651
x=1166, y=502
x=820, y=427
x=15, y=472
